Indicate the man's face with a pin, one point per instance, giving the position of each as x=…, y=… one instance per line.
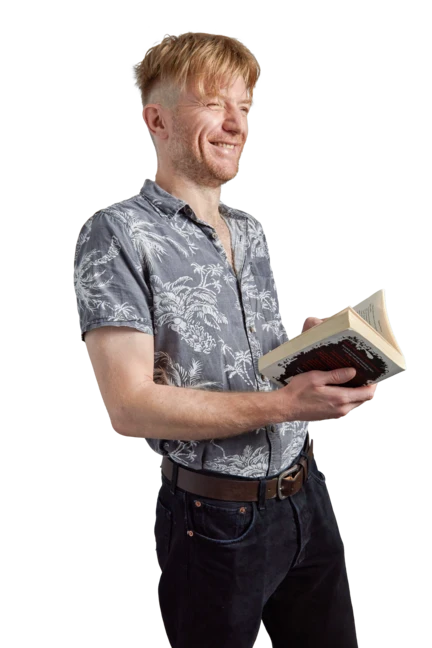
x=195, y=127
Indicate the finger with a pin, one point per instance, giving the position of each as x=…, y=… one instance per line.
x=356, y=404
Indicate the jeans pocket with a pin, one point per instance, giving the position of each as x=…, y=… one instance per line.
x=162, y=531
x=219, y=521
x=317, y=474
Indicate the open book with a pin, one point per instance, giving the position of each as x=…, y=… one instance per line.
x=359, y=337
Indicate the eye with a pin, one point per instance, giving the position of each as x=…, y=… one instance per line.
x=246, y=110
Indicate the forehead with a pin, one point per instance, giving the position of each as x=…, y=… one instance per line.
x=235, y=89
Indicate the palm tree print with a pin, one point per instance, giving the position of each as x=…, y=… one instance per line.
x=149, y=262
x=91, y=286
x=182, y=307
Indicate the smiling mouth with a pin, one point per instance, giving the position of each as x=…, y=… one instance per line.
x=225, y=148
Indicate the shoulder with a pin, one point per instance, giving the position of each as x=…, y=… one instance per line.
x=122, y=216
x=93, y=221
x=252, y=221
x=255, y=228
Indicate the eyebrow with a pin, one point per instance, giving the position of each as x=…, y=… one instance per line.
x=242, y=101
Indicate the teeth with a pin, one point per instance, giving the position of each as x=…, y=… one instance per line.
x=231, y=146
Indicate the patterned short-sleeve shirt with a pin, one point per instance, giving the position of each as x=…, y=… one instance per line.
x=150, y=263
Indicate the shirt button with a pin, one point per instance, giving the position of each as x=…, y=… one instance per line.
x=252, y=329
x=214, y=235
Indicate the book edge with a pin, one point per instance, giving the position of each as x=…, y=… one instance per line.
x=347, y=319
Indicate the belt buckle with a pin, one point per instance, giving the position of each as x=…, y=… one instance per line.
x=281, y=476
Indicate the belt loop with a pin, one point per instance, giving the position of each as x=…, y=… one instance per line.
x=303, y=453
x=262, y=494
x=174, y=477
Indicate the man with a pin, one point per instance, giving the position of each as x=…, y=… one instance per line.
x=177, y=301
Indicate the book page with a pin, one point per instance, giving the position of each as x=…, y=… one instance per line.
x=373, y=311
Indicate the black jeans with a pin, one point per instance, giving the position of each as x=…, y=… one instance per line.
x=228, y=565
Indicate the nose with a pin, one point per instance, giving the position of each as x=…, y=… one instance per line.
x=234, y=120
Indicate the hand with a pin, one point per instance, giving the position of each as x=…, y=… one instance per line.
x=312, y=321
x=318, y=395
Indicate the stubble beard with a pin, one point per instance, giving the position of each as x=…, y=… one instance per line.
x=190, y=162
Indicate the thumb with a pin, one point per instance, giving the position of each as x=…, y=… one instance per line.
x=342, y=375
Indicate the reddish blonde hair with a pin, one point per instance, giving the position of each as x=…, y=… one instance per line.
x=166, y=68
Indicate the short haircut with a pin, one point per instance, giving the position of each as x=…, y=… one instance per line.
x=207, y=58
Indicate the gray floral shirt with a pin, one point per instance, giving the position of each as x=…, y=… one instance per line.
x=149, y=263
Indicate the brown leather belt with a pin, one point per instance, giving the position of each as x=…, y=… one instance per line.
x=285, y=484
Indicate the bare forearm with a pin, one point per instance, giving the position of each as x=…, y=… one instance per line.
x=167, y=412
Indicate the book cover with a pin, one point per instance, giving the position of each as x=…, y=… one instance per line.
x=359, y=337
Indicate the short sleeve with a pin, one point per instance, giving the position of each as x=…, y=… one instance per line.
x=109, y=276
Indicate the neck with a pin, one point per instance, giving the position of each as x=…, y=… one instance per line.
x=203, y=200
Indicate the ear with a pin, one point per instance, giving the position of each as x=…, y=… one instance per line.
x=155, y=121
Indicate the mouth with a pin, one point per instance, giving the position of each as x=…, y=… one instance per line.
x=225, y=148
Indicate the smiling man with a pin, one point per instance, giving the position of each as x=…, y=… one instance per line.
x=196, y=145
x=199, y=144
x=177, y=301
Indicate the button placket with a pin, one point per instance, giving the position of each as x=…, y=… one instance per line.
x=221, y=250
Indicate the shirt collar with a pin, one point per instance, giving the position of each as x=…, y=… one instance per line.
x=168, y=205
